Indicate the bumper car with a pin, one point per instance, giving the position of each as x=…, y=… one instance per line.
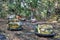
x=44, y=30
x=14, y=25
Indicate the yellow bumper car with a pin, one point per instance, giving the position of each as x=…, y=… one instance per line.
x=45, y=30
x=14, y=25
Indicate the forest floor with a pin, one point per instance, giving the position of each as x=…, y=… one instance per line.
x=27, y=33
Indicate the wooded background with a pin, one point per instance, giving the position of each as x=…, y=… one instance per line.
x=40, y=9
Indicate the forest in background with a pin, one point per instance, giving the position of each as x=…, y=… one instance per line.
x=39, y=9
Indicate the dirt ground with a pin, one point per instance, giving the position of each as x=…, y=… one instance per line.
x=26, y=34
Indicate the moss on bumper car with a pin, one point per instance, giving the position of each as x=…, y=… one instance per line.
x=45, y=30
x=15, y=26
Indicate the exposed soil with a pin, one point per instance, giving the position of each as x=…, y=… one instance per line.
x=27, y=33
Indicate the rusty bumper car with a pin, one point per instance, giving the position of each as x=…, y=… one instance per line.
x=44, y=30
x=14, y=25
